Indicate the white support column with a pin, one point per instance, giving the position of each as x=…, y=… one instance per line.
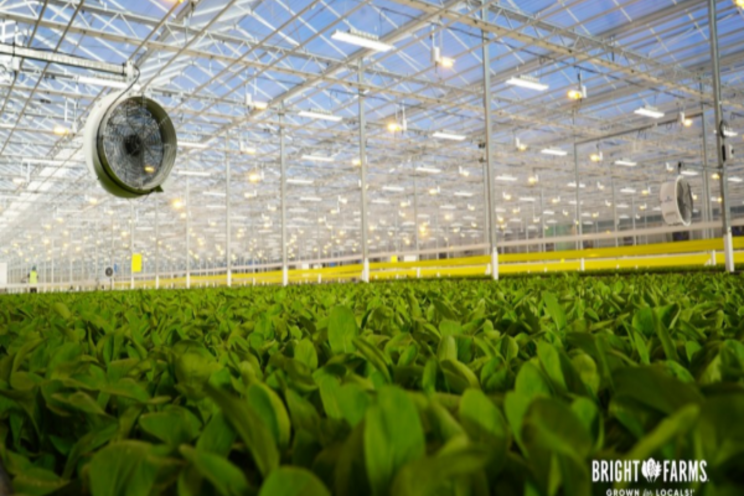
x=633, y=218
x=51, y=278
x=363, y=174
x=97, y=270
x=542, y=221
x=283, y=193
x=188, y=234
x=131, y=244
x=707, y=208
x=157, y=247
x=228, y=228
x=111, y=255
x=490, y=230
x=728, y=244
x=415, y=218
x=579, y=226
x=615, y=222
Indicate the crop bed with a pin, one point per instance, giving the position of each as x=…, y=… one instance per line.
x=418, y=388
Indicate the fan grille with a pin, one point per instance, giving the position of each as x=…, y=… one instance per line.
x=684, y=200
x=134, y=144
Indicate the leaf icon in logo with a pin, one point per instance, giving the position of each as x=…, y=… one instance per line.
x=651, y=469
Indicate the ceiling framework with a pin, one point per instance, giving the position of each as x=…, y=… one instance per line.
x=209, y=61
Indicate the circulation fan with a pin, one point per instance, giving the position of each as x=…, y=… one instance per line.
x=130, y=145
x=676, y=202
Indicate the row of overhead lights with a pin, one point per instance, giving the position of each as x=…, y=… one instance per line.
x=370, y=41
x=580, y=93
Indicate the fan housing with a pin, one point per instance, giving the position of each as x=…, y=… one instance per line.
x=676, y=202
x=130, y=145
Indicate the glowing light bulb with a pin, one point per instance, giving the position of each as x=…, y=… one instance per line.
x=446, y=62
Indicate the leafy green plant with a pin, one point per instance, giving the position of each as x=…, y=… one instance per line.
x=413, y=388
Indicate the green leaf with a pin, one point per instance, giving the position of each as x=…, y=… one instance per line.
x=647, y=321
x=480, y=417
x=304, y=351
x=445, y=309
x=429, y=378
x=449, y=328
x=551, y=363
x=721, y=430
x=429, y=475
x=193, y=369
x=62, y=310
x=393, y=436
x=250, y=427
x=374, y=356
x=37, y=481
x=349, y=473
x=553, y=427
x=531, y=382
x=302, y=413
x=88, y=443
x=554, y=309
x=677, y=424
x=218, y=435
x=225, y=477
x=126, y=468
x=174, y=425
x=652, y=387
x=292, y=481
x=329, y=386
x=267, y=404
x=509, y=348
x=459, y=376
x=82, y=402
x=342, y=329
x=641, y=347
x=352, y=402
x=587, y=369
x=447, y=349
x=590, y=415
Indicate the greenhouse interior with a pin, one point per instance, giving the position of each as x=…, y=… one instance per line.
x=374, y=247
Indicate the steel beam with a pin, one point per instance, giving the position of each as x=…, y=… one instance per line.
x=283, y=193
x=581, y=50
x=228, y=225
x=489, y=228
x=363, y=177
x=728, y=247
x=188, y=232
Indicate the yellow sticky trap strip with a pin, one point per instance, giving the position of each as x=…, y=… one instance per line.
x=136, y=262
